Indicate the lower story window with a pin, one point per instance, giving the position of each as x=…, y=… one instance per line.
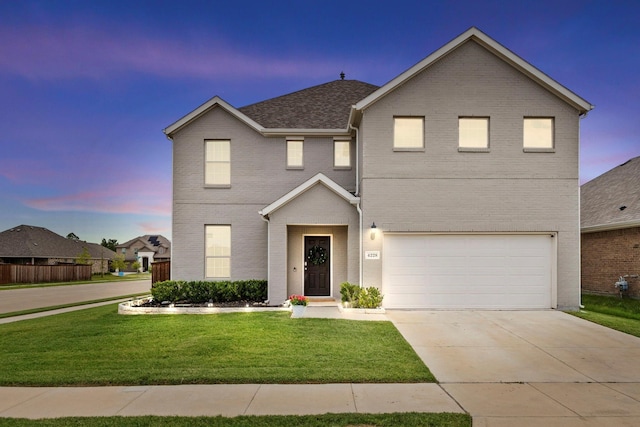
x=218, y=251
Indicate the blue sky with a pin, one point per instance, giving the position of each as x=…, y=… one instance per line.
x=87, y=86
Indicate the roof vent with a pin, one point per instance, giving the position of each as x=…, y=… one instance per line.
x=342, y=75
x=622, y=208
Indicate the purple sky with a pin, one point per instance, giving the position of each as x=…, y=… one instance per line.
x=87, y=87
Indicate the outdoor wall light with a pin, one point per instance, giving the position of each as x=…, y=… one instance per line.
x=374, y=231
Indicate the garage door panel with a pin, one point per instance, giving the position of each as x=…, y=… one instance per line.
x=467, y=271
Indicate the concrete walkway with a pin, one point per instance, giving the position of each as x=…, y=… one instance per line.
x=505, y=368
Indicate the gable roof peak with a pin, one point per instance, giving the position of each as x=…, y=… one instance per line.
x=494, y=47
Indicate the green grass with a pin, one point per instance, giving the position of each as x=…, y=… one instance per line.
x=622, y=314
x=96, y=278
x=99, y=347
x=327, y=420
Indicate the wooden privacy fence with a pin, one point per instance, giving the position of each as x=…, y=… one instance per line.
x=11, y=273
x=160, y=271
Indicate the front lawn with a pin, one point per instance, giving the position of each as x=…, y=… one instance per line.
x=622, y=314
x=100, y=347
x=327, y=420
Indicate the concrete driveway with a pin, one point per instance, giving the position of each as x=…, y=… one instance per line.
x=529, y=368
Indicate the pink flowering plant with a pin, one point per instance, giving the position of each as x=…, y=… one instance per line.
x=298, y=300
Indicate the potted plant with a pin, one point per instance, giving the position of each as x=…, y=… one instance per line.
x=298, y=303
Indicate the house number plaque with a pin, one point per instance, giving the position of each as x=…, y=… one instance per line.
x=372, y=254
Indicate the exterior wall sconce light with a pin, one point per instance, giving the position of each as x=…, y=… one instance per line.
x=374, y=231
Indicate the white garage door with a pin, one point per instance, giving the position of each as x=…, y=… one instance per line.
x=467, y=271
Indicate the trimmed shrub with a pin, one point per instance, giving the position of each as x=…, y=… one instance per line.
x=359, y=297
x=198, y=292
x=370, y=298
x=349, y=292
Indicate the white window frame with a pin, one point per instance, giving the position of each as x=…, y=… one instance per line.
x=213, y=161
x=400, y=125
x=339, y=151
x=468, y=142
x=532, y=135
x=292, y=150
x=217, y=257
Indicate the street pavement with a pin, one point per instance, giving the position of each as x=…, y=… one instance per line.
x=29, y=298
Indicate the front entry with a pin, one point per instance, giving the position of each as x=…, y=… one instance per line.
x=317, y=266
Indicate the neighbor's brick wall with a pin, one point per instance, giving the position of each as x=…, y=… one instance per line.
x=607, y=255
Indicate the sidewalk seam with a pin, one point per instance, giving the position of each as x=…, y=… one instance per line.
x=252, y=399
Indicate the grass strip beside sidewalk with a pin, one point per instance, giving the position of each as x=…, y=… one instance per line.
x=327, y=420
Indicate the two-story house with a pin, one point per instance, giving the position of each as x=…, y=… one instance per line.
x=455, y=185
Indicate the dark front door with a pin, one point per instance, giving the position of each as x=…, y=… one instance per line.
x=317, y=266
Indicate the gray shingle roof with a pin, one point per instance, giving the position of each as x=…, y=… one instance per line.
x=326, y=106
x=151, y=243
x=603, y=198
x=28, y=241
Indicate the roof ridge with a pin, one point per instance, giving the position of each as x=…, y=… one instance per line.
x=304, y=90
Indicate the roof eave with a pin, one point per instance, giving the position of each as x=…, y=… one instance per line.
x=304, y=132
x=212, y=103
x=475, y=34
x=293, y=194
x=610, y=227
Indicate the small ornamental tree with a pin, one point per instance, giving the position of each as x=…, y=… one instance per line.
x=84, y=258
x=118, y=263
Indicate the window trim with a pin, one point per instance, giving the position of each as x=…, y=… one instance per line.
x=207, y=257
x=551, y=149
x=301, y=165
x=415, y=149
x=486, y=149
x=207, y=162
x=341, y=167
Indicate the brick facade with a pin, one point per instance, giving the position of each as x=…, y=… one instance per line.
x=607, y=255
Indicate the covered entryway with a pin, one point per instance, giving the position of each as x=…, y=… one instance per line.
x=317, y=266
x=453, y=271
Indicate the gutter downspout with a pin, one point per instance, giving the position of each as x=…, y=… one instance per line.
x=265, y=219
x=358, y=207
x=580, y=305
x=357, y=159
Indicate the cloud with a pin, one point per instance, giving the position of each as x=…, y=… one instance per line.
x=154, y=227
x=154, y=199
x=65, y=52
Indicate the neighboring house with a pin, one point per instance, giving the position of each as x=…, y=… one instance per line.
x=467, y=164
x=31, y=245
x=610, y=226
x=145, y=249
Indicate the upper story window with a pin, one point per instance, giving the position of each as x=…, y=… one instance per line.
x=217, y=162
x=218, y=251
x=473, y=134
x=295, y=154
x=408, y=133
x=538, y=134
x=342, y=154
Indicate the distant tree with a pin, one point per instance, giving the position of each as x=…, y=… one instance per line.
x=111, y=244
x=136, y=266
x=72, y=236
x=84, y=257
